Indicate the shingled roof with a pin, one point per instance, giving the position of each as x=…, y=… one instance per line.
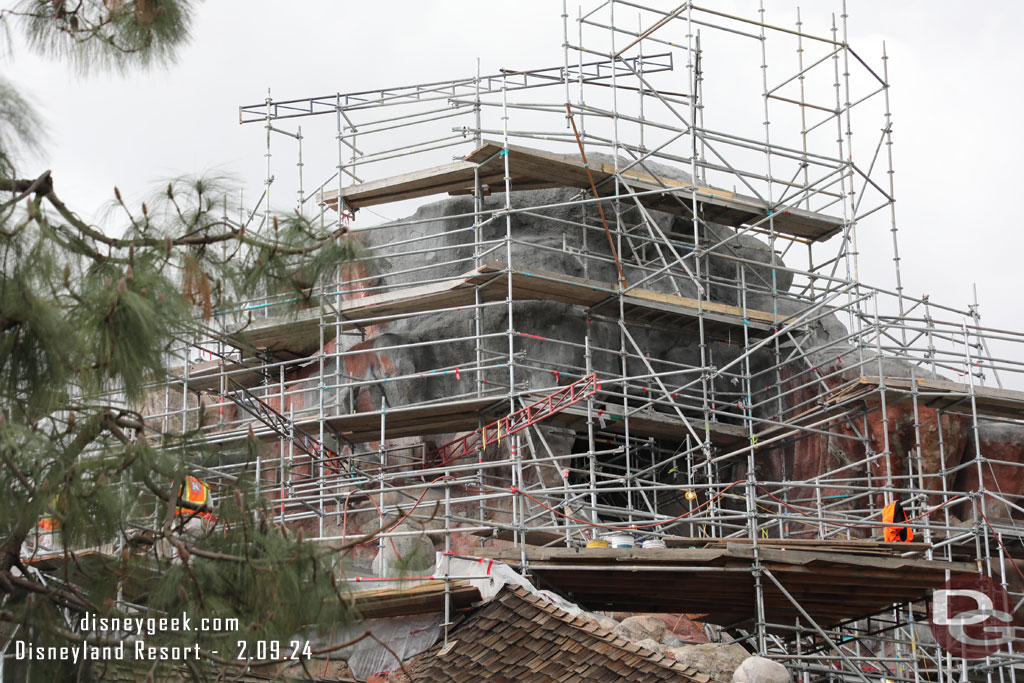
x=519, y=636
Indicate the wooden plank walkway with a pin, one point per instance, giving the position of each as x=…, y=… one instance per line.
x=463, y=416
x=537, y=169
x=443, y=418
x=830, y=583
x=942, y=394
x=425, y=598
x=663, y=426
x=299, y=335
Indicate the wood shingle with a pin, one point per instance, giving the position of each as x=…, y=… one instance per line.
x=522, y=637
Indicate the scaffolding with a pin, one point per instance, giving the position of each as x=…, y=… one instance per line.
x=603, y=329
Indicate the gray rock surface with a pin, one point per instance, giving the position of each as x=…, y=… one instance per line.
x=635, y=629
x=718, y=660
x=412, y=360
x=671, y=640
x=651, y=645
x=540, y=240
x=760, y=670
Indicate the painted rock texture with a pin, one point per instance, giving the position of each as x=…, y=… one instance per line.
x=426, y=357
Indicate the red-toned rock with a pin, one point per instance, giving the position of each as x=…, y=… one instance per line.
x=902, y=443
x=807, y=457
x=812, y=456
x=1002, y=470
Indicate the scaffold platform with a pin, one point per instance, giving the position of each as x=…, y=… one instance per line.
x=298, y=335
x=831, y=584
x=532, y=169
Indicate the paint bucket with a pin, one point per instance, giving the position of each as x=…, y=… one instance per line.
x=653, y=544
x=620, y=539
x=598, y=543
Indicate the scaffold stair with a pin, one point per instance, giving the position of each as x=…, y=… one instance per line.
x=503, y=428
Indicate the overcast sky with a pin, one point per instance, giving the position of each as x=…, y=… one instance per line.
x=955, y=70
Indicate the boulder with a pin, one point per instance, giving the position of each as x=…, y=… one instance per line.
x=718, y=660
x=679, y=625
x=635, y=629
x=651, y=645
x=760, y=670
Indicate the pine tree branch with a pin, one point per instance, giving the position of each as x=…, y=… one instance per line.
x=42, y=185
x=142, y=242
x=197, y=236
x=65, y=598
x=11, y=465
x=10, y=548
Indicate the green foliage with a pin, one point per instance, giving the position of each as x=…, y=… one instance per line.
x=276, y=585
x=125, y=317
x=37, y=346
x=87, y=316
x=107, y=34
x=298, y=257
x=20, y=128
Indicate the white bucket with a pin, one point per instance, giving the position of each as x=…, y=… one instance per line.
x=620, y=539
x=653, y=544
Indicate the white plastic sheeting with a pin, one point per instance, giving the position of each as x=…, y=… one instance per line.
x=493, y=576
x=405, y=636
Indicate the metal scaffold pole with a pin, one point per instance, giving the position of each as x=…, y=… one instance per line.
x=667, y=373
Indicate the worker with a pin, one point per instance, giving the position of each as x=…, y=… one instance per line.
x=894, y=513
x=46, y=538
x=48, y=524
x=194, y=502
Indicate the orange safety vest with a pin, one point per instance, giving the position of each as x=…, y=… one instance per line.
x=193, y=497
x=894, y=512
x=49, y=522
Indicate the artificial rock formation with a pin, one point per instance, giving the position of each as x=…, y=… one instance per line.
x=761, y=670
x=418, y=358
x=640, y=628
x=1003, y=445
x=718, y=660
x=417, y=346
x=678, y=627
